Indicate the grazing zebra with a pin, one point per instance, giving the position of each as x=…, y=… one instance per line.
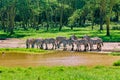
x=65, y=42
x=39, y=43
x=73, y=37
x=81, y=42
x=58, y=40
x=49, y=41
x=30, y=42
x=94, y=41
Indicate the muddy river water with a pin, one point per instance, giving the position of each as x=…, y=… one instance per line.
x=59, y=58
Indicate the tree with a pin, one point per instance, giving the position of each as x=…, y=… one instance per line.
x=116, y=9
x=102, y=13
x=108, y=14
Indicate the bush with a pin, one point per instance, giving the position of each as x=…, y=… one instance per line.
x=117, y=63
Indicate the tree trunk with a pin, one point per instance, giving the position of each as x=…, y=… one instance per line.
x=61, y=16
x=101, y=23
x=71, y=27
x=11, y=17
x=107, y=26
x=117, y=16
x=47, y=17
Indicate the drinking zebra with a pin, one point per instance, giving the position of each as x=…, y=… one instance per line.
x=94, y=41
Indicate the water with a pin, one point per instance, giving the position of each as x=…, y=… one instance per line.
x=58, y=58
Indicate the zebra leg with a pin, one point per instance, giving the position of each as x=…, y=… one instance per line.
x=58, y=45
x=99, y=46
x=77, y=49
x=91, y=47
x=55, y=46
x=85, y=47
x=72, y=47
x=32, y=45
x=52, y=46
x=41, y=46
x=64, y=49
x=27, y=45
x=46, y=47
x=80, y=48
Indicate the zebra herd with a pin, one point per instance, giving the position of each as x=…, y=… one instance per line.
x=60, y=42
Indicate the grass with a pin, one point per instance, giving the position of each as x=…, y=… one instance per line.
x=60, y=73
x=79, y=32
x=115, y=53
x=24, y=50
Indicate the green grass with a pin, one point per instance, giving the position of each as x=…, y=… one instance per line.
x=24, y=50
x=60, y=73
x=115, y=53
x=79, y=32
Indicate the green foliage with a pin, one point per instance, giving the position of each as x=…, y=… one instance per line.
x=73, y=19
x=117, y=63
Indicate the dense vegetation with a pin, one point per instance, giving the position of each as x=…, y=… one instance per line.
x=49, y=14
x=60, y=73
x=67, y=32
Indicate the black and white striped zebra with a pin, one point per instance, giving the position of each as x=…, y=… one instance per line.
x=66, y=42
x=58, y=40
x=49, y=41
x=94, y=41
x=30, y=43
x=81, y=42
x=39, y=43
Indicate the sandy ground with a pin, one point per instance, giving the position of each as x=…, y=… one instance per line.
x=20, y=43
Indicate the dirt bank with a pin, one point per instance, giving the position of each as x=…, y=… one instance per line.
x=20, y=43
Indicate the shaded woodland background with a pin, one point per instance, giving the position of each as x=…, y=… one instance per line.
x=49, y=14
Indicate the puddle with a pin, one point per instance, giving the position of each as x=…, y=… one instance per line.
x=60, y=58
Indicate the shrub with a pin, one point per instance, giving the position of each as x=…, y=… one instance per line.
x=117, y=63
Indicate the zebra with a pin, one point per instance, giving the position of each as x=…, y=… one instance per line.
x=94, y=41
x=65, y=42
x=49, y=41
x=30, y=42
x=81, y=42
x=39, y=43
x=73, y=37
x=58, y=40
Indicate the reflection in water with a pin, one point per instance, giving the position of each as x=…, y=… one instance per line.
x=59, y=58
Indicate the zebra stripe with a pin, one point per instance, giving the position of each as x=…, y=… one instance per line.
x=65, y=42
x=81, y=42
x=94, y=41
x=30, y=42
x=49, y=41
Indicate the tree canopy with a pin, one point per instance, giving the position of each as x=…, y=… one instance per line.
x=57, y=13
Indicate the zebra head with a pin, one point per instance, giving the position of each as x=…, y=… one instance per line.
x=73, y=37
x=86, y=37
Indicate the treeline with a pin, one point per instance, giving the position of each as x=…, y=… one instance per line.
x=57, y=13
